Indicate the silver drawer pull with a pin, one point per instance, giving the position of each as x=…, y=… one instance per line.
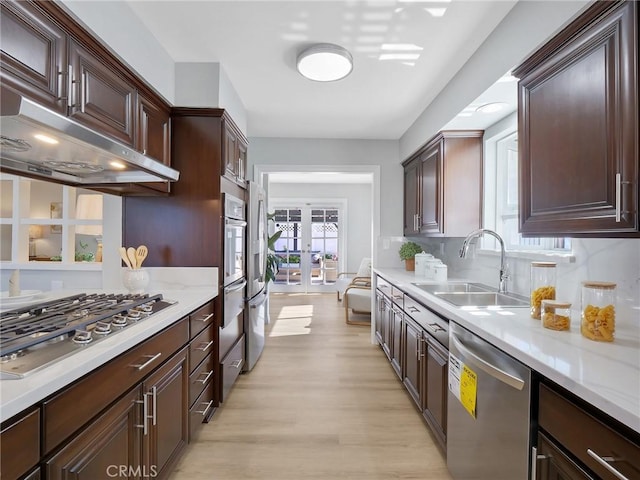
x=206, y=409
x=205, y=347
x=205, y=379
x=604, y=461
x=205, y=318
x=148, y=362
x=236, y=364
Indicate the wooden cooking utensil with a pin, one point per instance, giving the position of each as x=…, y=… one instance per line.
x=123, y=255
x=141, y=254
x=131, y=253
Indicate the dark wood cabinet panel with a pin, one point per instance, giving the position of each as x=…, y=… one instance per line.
x=200, y=319
x=379, y=314
x=20, y=445
x=109, y=443
x=578, y=128
x=553, y=464
x=34, y=475
x=231, y=366
x=168, y=393
x=100, y=98
x=443, y=186
x=234, y=153
x=201, y=410
x=201, y=375
x=396, y=340
x=201, y=346
x=435, y=383
x=154, y=131
x=386, y=327
x=33, y=54
x=412, y=339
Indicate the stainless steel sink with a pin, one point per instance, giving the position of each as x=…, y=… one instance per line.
x=482, y=299
x=454, y=287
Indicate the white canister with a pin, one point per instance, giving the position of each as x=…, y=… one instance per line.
x=421, y=263
x=440, y=273
x=430, y=269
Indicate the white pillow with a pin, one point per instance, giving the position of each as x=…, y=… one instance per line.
x=364, y=270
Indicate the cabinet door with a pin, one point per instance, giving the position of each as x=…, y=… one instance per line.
x=578, y=129
x=379, y=315
x=230, y=164
x=100, y=98
x=412, y=339
x=412, y=176
x=168, y=405
x=154, y=131
x=33, y=56
x=435, y=388
x=553, y=464
x=386, y=328
x=242, y=162
x=430, y=216
x=20, y=445
x=109, y=443
x=396, y=340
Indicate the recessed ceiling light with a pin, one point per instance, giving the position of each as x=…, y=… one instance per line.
x=325, y=62
x=491, y=107
x=46, y=139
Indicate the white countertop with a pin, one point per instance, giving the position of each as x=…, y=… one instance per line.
x=18, y=394
x=606, y=375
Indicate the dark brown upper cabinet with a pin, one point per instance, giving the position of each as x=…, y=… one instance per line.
x=443, y=185
x=235, y=153
x=578, y=128
x=154, y=130
x=33, y=54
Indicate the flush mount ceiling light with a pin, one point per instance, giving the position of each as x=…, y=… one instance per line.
x=491, y=107
x=325, y=62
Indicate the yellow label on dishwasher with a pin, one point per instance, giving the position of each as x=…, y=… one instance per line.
x=468, y=390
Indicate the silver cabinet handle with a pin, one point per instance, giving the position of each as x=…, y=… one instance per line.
x=236, y=364
x=70, y=92
x=151, y=358
x=534, y=462
x=61, y=74
x=205, y=379
x=83, y=88
x=205, y=318
x=604, y=461
x=154, y=413
x=145, y=414
x=492, y=370
x=205, y=347
x=206, y=408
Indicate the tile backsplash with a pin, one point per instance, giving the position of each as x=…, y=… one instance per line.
x=601, y=259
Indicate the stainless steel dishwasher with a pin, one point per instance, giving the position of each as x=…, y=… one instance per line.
x=488, y=410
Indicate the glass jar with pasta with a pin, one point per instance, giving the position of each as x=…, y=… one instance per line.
x=556, y=315
x=598, y=317
x=543, y=285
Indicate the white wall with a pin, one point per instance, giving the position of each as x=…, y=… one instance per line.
x=358, y=225
x=528, y=25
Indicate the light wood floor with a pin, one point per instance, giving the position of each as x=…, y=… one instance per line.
x=322, y=403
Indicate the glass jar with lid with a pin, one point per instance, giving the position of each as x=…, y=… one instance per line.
x=598, y=317
x=556, y=315
x=543, y=285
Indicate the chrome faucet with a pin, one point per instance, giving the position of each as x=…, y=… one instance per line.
x=472, y=239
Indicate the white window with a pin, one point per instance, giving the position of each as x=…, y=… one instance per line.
x=501, y=193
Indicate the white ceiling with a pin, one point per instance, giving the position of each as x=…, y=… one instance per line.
x=257, y=42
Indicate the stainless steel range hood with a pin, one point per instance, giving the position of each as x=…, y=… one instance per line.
x=40, y=143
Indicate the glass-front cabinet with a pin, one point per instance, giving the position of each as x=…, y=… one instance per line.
x=43, y=223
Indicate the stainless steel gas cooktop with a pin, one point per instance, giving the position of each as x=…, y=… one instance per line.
x=35, y=336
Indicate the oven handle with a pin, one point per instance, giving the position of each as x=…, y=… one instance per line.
x=235, y=288
x=235, y=223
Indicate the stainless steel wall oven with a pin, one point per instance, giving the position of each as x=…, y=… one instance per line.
x=235, y=228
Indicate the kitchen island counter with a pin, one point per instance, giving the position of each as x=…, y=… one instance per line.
x=16, y=395
x=606, y=375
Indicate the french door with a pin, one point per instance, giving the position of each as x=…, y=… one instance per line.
x=309, y=247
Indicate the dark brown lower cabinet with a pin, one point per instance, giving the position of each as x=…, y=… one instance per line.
x=20, y=445
x=386, y=327
x=396, y=340
x=553, y=464
x=379, y=315
x=435, y=386
x=109, y=446
x=412, y=339
x=167, y=391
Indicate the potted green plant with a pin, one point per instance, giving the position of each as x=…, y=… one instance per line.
x=407, y=252
x=273, y=260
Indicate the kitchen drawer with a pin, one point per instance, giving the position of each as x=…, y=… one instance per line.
x=201, y=318
x=432, y=323
x=200, y=377
x=383, y=286
x=73, y=407
x=581, y=432
x=200, y=410
x=20, y=445
x=231, y=367
x=200, y=347
x=397, y=296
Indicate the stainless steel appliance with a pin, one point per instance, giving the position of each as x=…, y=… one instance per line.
x=493, y=444
x=257, y=296
x=37, y=335
x=74, y=155
x=234, y=238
